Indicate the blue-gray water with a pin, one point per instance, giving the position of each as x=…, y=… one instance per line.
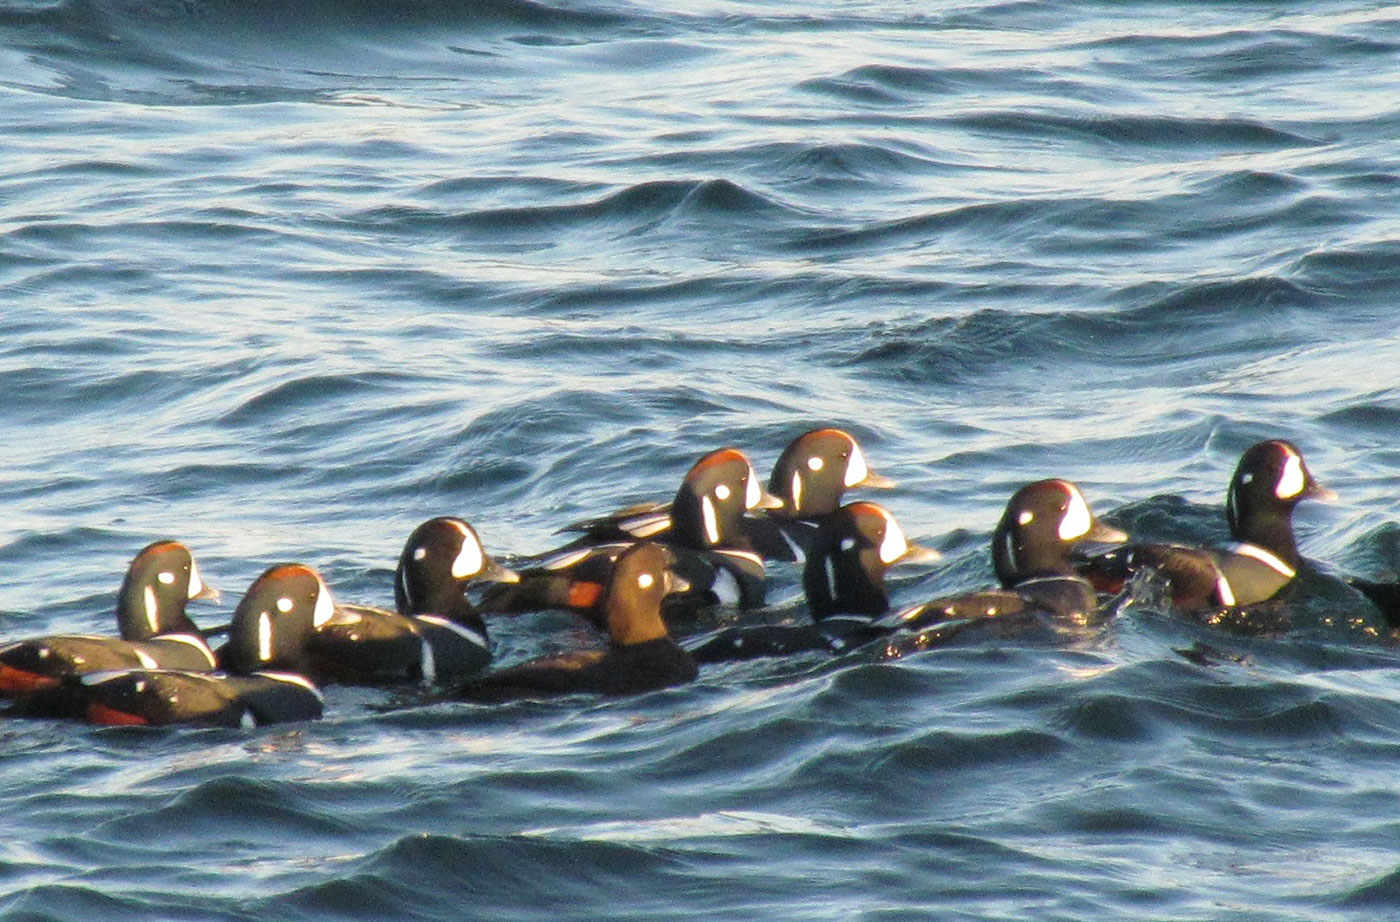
x=283, y=280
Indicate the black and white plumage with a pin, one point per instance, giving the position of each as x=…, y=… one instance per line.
x=155, y=631
x=641, y=654
x=1039, y=592
x=843, y=582
x=435, y=636
x=1269, y=481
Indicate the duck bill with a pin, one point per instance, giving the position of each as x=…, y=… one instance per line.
x=207, y=594
x=1106, y=534
x=494, y=572
x=1318, y=492
x=877, y=482
x=917, y=553
x=767, y=500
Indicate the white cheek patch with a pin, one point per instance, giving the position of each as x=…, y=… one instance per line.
x=469, y=560
x=856, y=468
x=1077, y=520
x=196, y=582
x=707, y=515
x=1291, y=481
x=753, y=494
x=285, y=605
x=148, y=601
x=646, y=581
x=895, y=545
x=265, y=636
x=325, y=608
x=165, y=577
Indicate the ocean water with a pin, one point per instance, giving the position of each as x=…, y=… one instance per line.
x=283, y=280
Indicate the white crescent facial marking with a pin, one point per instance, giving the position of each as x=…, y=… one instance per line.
x=265, y=635
x=646, y=581
x=895, y=545
x=815, y=463
x=419, y=553
x=1025, y=518
x=285, y=605
x=469, y=560
x=856, y=468
x=1077, y=520
x=325, y=606
x=148, y=601
x=165, y=577
x=146, y=660
x=1291, y=481
x=722, y=492
x=196, y=581
x=1009, y=539
x=753, y=493
x=707, y=515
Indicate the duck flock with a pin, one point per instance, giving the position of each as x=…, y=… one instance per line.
x=640, y=576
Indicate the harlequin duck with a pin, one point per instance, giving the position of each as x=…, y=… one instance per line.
x=844, y=584
x=260, y=683
x=1040, y=593
x=810, y=477
x=435, y=636
x=702, y=526
x=641, y=656
x=1270, y=479
x=155, y=631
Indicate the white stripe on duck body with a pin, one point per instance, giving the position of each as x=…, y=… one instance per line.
x=843, y=582
x=155, y=631
x=1216, y=584
x=702, y=527
x=259, y=681
x=1040, y=595
x=640, y=655
x=811, y=478
x=435, y=636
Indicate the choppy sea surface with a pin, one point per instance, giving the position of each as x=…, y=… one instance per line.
x=283, y=280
